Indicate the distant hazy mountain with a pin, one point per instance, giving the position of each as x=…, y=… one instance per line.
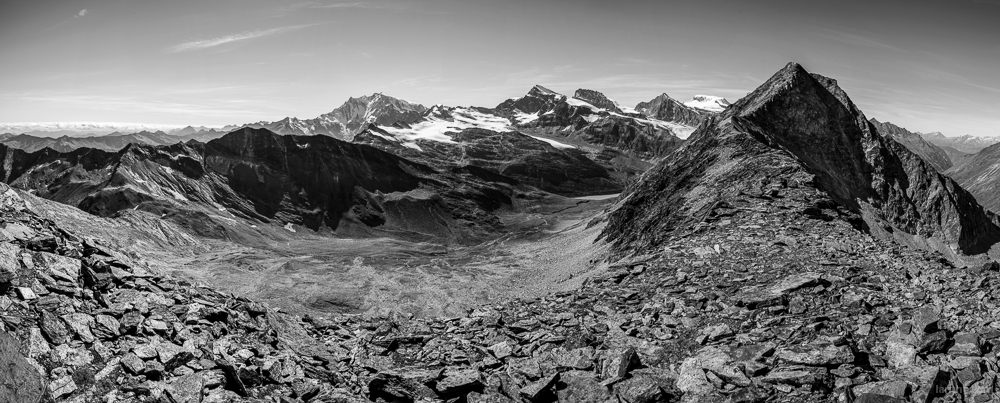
x=966, y=144
x=111, y=142
x=196, y=130
x=80, y=129
x=931, y=153
x=350, y=118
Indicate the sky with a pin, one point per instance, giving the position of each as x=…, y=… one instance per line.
x=925, y=65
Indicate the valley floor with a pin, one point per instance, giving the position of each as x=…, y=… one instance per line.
x=549, y=247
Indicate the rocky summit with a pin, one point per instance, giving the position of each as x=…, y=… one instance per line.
x=788, y=251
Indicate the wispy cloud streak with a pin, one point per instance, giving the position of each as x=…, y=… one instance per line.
x=357, y=4
x=854, y=38
x=240, y=37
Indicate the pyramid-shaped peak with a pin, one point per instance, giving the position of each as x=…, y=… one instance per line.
x=539, y=90
x=792, y=76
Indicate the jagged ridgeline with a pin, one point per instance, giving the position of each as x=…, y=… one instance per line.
x=801, y=129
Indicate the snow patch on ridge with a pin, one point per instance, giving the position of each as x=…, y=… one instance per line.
x=553, y=143
x=579, y=103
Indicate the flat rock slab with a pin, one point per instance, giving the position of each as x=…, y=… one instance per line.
x=60, y=267
x=20, y=382
x=777, y=292
x=817, y=355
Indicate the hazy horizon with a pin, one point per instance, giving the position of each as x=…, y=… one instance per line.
x=929, y=66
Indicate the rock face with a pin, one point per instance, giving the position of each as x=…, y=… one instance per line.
x=666, y=108
x=350, y=118
x=597, y=99
x=801, y=129
x=314, y=181
x=309, y=174
x=931, y=153
x=977, y=173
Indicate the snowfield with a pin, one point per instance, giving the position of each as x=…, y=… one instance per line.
x=708, y=103
x=438, y=124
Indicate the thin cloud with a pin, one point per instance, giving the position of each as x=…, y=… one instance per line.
x=994, y=2
x=357, y=4
x=853, y=38
x=140, y=104
x=222, y=40
x=79, y=14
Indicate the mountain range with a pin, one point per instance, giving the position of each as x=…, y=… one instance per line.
x=784, y=247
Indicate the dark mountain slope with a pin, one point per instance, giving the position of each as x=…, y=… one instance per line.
x=664, y=107
x=310, y=177
x=799, y=129
x=510, y=154
x=110, y=142
x=980, y=174
x=931, y=153
x=597, y=99
x=314, y=181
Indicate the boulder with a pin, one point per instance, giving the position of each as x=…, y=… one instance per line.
x=639, y=389
x=817, y=354
x=693, y=379
x=615, y=364
x=967, y=344
x=935, y=342
x=185, y=389
x=53, y=328
x=62, y=387
x=80, y=323
x=59, y=267
x=458, y=381
x=535, y=391
x=404, y=384
x=926, y=318
x=583, y=387
x=10, y=262
x=106, y=327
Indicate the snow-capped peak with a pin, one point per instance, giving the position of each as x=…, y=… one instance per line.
x=708, y=103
